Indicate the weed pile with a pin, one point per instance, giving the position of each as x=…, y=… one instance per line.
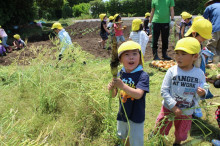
x=51, y=102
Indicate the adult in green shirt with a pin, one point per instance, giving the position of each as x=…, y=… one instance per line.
x=161, y=10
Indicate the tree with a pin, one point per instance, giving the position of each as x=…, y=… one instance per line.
x=16, y=12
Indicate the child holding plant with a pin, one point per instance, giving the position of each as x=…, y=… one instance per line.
x=18, y=43
x=65, y=39
x=133, y=85
x=182, y=83
x=104, y=31
x=119, y=28
x=138, y=35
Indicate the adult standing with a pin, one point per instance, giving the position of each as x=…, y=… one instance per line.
x=212, y=12
x=161, y=10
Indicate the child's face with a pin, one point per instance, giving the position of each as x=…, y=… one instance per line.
x=130, y=60
x=184, y=60
x=200, y=39
x=187, y=20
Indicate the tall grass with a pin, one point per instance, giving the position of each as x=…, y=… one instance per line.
x=66, y=102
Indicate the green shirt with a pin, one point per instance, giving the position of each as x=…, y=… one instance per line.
x=162, y=10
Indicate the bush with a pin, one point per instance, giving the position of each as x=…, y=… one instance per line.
x=66, y=10
x=80, y=9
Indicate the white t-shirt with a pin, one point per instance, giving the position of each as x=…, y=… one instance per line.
x=179, y=88
x=141, y=38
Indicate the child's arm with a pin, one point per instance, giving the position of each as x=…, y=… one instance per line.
x=182, y=30
x=165, y=93
x=105, y=27
x=135, y=93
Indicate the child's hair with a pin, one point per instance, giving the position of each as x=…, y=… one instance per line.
x=110, y=20
x=141, y=27
x=191, y=35
x=117, y=18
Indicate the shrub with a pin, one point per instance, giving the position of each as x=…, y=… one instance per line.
x=80, y=9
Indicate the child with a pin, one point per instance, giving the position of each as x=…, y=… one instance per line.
x=4, y=37
x=104, y=31
x=2, y=49
x=201, y=30
x=182, y=83
x=118, y=28
x=110, y=27
x=18, y=43
x=133, y=85
x=146, y=21
x=186, y=24
x=65, y=39
x=110, y=24
x=138, y=35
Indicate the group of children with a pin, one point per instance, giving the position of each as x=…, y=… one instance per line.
x=18, y=43
x=184, y=84
x=139, y=32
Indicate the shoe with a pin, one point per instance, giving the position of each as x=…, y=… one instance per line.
x=216, y=142
x=165, y=57
x=155, y=55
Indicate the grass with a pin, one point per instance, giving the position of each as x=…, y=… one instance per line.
x=66, y=102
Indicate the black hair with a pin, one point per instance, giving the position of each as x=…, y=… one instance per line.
x=110, y=20
x=191, y=35
x=117, y=18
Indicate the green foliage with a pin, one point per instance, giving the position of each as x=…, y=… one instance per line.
x=66, y=10
x=12, y=12
x=97, y=7
x=80, y=9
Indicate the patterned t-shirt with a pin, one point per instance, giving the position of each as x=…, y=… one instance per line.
x=179, y=88
x=135, y=108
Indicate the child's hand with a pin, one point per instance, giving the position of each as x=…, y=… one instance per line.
x=177, y=111
x=110, y=86
x=118, y=83
x=201, y=91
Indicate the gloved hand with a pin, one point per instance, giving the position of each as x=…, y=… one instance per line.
x=172, y=22
x=60, y=56
x=149, y=25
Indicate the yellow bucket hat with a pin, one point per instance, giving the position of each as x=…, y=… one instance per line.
x=136, y=24
x=130, y=45
x=203, y=27
x=115, y=16
x=184, y=12
x=189, y=45
x=186, y=15
x=17, y=36
x=111, y=18
x=102, y=16
x=147, y=14
x=57, y=25
x=0, y=41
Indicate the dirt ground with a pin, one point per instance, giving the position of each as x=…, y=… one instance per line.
x=86, y=34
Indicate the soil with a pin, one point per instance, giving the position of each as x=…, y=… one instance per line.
x=86, y=34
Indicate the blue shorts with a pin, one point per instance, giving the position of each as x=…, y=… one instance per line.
x=120, y=38
x=136, y=137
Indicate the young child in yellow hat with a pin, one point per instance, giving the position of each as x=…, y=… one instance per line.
x=182, y=83
x=146, y=21
x=104, y=31
x=185, y=24
x=18, y=43
x=138, y=35
x=133, y=85
x=65, y=39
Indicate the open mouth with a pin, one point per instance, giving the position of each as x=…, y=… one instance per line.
x=131, y=63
